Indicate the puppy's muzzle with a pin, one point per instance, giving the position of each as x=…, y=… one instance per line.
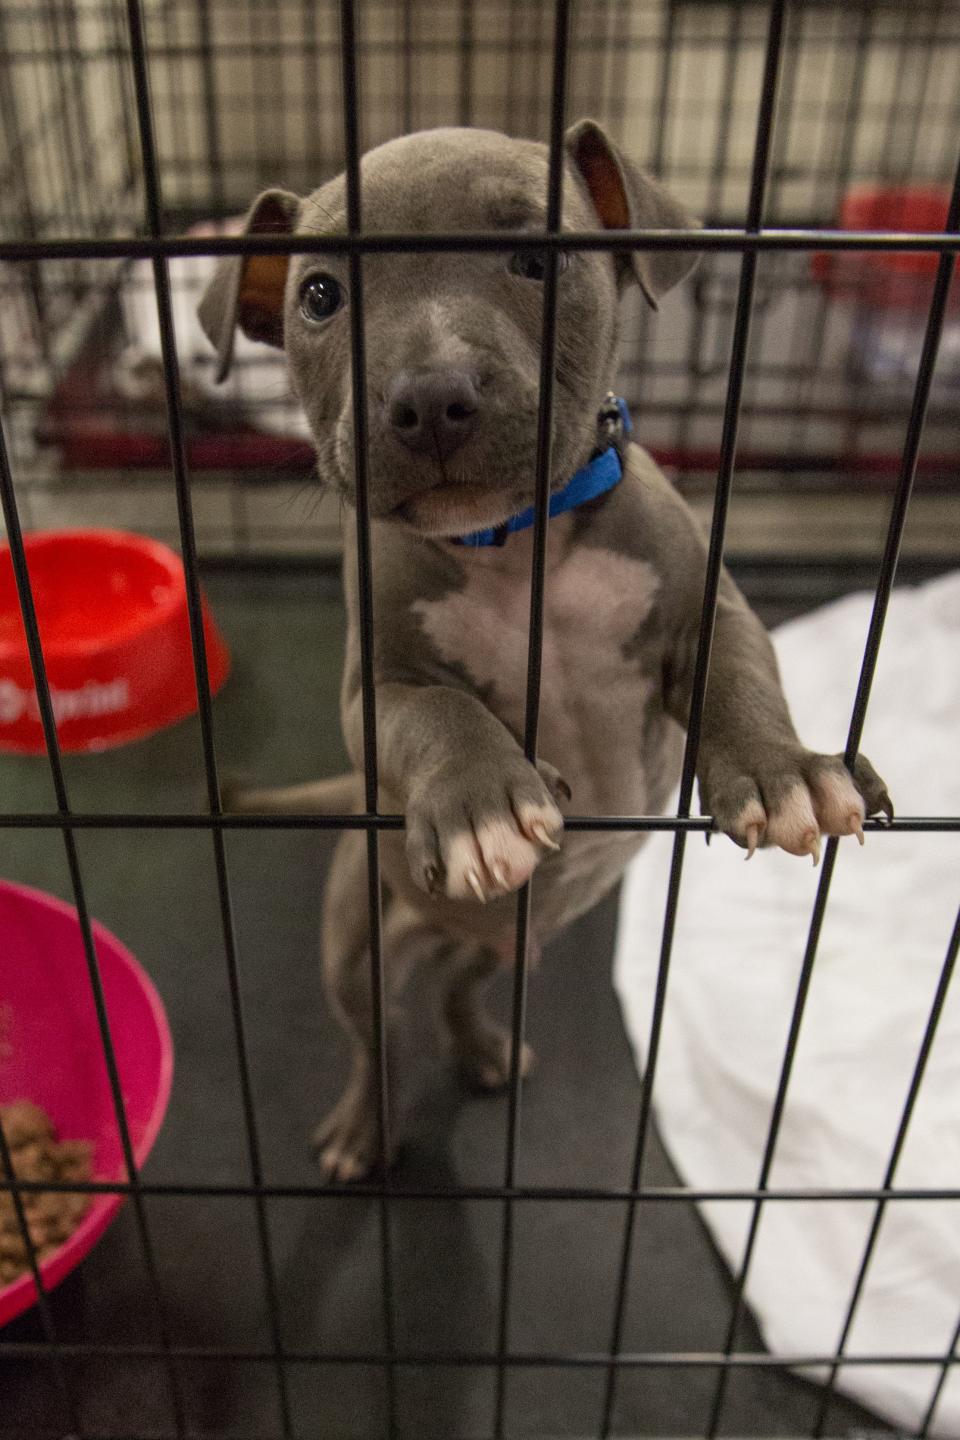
x=432, y=412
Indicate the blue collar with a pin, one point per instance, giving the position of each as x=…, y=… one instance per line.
x=595, y=478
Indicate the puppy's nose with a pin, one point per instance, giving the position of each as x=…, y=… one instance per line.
x=432, y=411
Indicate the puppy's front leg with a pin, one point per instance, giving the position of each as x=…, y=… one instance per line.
x=478, y=815
x=756, y=778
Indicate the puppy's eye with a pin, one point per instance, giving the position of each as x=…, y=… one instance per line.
x=532, y=264
x=320, y=297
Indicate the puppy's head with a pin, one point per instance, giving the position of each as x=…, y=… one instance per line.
x=452, y=340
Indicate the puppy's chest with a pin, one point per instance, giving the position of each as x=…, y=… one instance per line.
x=596, y=680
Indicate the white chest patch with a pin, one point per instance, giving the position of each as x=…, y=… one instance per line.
x=593, y=698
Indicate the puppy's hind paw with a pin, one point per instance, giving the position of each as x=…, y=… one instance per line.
x=347, y=1142
x=484, y=1057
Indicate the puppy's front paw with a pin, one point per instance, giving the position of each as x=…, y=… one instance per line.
x=790, y=799
x=480, y=832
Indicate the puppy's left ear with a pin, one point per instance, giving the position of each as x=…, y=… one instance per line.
x=627, y=199
x=247, y=290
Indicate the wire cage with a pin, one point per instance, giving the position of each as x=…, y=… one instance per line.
x=133, y=134
x=244, y=96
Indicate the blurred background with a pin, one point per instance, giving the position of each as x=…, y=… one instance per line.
x=248, y=94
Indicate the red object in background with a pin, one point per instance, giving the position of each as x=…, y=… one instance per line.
x=112, y=613
x=50, y=1053
x=886, y=279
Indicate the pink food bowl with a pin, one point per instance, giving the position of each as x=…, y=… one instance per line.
x=51, y=1053
x=112, y=613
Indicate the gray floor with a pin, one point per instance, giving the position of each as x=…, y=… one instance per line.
x=155, y=889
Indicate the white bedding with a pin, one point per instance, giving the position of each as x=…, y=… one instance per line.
x=739, y=943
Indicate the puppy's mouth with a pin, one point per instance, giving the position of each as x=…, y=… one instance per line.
x=456, y=508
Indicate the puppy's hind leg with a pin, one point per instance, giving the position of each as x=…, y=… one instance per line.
x=348, y=1139
x=482, y=1047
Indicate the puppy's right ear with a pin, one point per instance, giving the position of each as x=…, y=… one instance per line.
x=247, y=290
x=627, y=199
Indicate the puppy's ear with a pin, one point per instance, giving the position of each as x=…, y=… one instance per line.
x=247, y=290
x=627, y=199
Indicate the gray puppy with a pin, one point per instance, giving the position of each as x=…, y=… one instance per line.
x=453, y=361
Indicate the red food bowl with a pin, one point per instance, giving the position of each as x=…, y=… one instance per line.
x=886, y=279
x=112, y=612
x=51, y=1053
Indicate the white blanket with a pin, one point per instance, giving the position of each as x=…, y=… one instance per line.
x=739, y=943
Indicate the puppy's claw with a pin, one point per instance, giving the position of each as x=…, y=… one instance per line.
x=812, y=846
x=554, y=781
x=886, y=805
x=473, y=880
x=753, y=840
x=856, y=828
x=499, y=877
x=543, y=836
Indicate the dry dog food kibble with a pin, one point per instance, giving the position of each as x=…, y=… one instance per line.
x=38, y=1155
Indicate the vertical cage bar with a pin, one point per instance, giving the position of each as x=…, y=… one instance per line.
x=514, y=42
x=19, y=181
x=351, y=127
x=312, y=150
x=68, y=147
x=897, y=104
x=548, y=345
x=211, y=113
x=662, y=106
x=406, y=43
x=661, y=113
x=887, y=572
x=921, y=92
x=465, y=107
x=923, y=1055
x=45, y=705
x=153, y=200
x=775, y=265
x=698, y=320
x=949, y=1359
x=809, y=334
x=728, y=452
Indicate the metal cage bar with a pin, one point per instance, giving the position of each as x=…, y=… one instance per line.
x=749, y=242
x=154, y=209
x=487, y=1360
x=548, y=345
x=350, y=82
x=738, y=361
x=946, y=1362
x=913, y=1092
x=169, y=820
x=651, y=1194
x=885, y=577
x=723, y=239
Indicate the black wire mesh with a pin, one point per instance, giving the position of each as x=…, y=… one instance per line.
x=192, y=59
x=865, y=96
